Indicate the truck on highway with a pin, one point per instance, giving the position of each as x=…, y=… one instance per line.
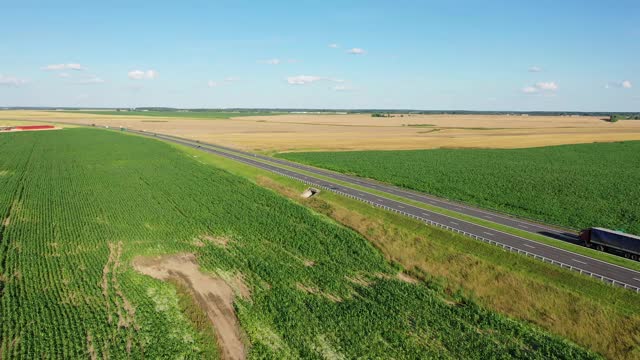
x=612, y=241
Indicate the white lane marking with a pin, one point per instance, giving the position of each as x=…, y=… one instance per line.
x=380, y=200
x=578, y=261
x=488, y=233
x=636, y=279
x=425, y=214
x=487, y=216
x=523, y=226
x=453, y=222
x=529, y=246
x=401, y=207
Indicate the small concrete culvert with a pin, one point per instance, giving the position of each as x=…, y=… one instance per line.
x=309, y=193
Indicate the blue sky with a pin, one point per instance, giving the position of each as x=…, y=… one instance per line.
x=477, y=55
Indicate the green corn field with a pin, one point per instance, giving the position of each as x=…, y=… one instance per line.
x=576, y=186
x=77, y=205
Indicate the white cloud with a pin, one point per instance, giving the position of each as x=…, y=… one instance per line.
x=90, y=80
x=226, y=81
x=140, y=74
x=271, y=61
x=535, y=69
x=136, y=74
x=550, y=86
x=278, y=61
x=625, y=84
x=308, y=79
x=57, y=67
x=334, y=46
x=342, y=88
x=64, y=75
x=11, y=81
x=356, y=51
x=303, y=79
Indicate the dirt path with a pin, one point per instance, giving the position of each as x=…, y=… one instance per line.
x=213, y=294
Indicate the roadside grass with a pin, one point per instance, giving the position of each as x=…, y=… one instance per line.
x=582, y=250
x=601, y=317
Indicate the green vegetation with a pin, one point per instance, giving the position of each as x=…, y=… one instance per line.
x=79, y=204
x=611, y=258
x=576, y=186
x=511, y=284
x=207, y=335
x=176, y=114
x=617, y=117
x=386, y=114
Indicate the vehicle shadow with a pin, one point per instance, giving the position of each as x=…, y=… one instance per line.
x=566, y=237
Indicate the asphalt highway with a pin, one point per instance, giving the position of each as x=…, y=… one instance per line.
x=602, y=270
x=492, y=216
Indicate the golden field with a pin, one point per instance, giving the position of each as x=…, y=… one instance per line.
x=297, y=132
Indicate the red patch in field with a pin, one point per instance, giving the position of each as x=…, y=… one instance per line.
x=28, y=128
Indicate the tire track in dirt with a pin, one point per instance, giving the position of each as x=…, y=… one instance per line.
x=214, y=296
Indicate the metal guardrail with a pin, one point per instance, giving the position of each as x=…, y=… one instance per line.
x=476, y=237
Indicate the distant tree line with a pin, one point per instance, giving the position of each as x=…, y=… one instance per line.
x=616, y=117
x=373, y=112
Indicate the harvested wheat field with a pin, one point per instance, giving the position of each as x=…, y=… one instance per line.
x=296, y=132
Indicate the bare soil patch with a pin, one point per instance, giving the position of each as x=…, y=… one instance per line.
x=359, y=280
x=315, y=290
x=407, y=278
x=399, y=276
x=214, y=295
x=309, y=263
x=221, y=241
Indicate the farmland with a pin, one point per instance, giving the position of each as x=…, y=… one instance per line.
x=82, y=205
x=576, y=186
x=337, y=132
x=172, y=114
